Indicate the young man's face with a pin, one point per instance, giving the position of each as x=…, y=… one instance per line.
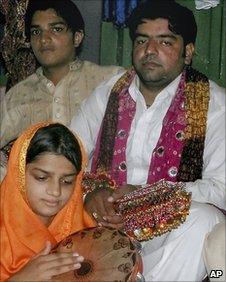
x=51, y=40
x=158, y=54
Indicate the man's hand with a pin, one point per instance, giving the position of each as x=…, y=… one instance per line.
x=115, y=220
x=97, y=205
x=100, y=204
x=46, y=265
x=121, y=191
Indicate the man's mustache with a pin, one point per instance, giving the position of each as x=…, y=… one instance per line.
x=150, y=59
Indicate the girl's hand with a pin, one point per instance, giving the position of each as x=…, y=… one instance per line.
x=45, y=265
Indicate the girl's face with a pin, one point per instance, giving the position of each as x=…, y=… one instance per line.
x=50, y=181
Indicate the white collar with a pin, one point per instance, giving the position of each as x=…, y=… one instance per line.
x=168, y=92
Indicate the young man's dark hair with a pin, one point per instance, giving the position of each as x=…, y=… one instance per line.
x=66, y=9
x=181, y=19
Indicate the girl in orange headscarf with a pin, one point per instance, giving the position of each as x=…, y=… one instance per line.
x=41, y=203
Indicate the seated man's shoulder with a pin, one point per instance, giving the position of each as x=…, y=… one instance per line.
x=217, y=94
x=99, y=69
x=21, y=86
x=104, y=88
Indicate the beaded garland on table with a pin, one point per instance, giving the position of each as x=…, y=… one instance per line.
x=154, y=210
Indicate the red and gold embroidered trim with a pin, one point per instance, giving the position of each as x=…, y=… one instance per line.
x=23, y=153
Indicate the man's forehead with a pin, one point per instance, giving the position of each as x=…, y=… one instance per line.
x=158, y=25
x=50, y=14
x=157, y=21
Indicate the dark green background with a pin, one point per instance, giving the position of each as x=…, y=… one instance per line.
x=210, y=44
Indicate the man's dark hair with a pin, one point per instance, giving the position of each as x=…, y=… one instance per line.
x=66, y=9
x=181, y=19
x=56, y=139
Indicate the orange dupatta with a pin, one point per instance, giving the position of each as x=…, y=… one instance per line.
x=23, y=235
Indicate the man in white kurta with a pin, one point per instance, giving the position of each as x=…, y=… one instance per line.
x=177, y=255
x=210, y=189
